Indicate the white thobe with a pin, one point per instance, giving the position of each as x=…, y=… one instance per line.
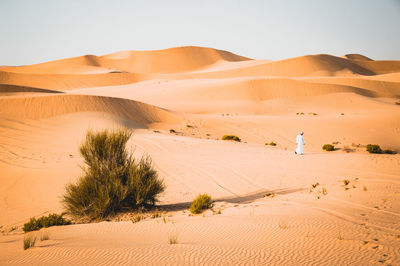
x=300, y=142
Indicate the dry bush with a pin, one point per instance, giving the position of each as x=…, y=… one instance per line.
x=45, y=221
x=328, y=147
x=112, y=180
x=29, y=241
x=231, y=137
x=201, y=203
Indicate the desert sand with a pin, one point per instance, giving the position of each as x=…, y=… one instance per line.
x=266, y=210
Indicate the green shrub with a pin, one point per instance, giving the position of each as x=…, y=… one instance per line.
x=201, y=203
x=328, y=147
x=45, y=221
x=112, y=179
x=231, y=137
x=373, y=148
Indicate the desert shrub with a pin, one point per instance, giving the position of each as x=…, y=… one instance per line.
x=45, y=221
x=373, y=148
x=328, y=147
x=112, y=180
x=231, y=137
x=271, y=143
x=172, y=131
x=201, y=203
x=173, y=239
x=29, y=241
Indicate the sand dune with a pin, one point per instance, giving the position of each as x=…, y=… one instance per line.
x=203, y=94
x=357, y=57
x=40, y=107
x=66, y=82
x=158, y=61
x=7, y=89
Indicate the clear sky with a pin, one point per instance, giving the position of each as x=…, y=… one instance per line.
x=33, y=31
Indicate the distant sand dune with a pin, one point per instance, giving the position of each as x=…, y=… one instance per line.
x=8, y=89
x=158, y=61
x=49, y=106
x=309, y=65
x=66, y=82
x=357, y=57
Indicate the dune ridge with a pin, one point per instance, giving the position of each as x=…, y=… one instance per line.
x=40, y=107
x=70, y=81
x=157, y=61
x=9, y=89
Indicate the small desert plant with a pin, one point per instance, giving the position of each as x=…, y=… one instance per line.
x=373, y=148
x=201, y=203
x=231, y=137
x=283, y=225
x=346, y=182
x=328, y=147
x=45, y=221
x=137, y=218
x=271, y=143
x=113, y=180
x=29, y=241
x=155, y=214
x=270, y=195
x=173, y=239
x=44, y=236
x=172, y=131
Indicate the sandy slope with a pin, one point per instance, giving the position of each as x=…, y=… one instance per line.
x=204, y=93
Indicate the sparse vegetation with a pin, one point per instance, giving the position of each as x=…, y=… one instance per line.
x=373, y=148
x=271, y=143
x=29, y=241
x=45, y=221
x=44, y=236
x=231, y=137
x=172, y=131
x=328, y=147
x=201, y=203
x=155, y=214
x=314, y=185
x=283, y=225
x=346, y=182
x=113, y=180
x=173, y=239
x=137, y=217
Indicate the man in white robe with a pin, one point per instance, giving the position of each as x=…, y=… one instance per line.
x=300, y=142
